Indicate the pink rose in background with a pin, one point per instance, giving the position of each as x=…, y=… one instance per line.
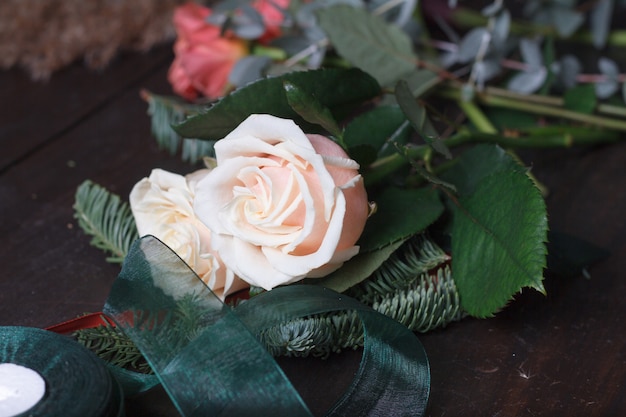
x=273, y=17
x=281, y=205
x=204, y=58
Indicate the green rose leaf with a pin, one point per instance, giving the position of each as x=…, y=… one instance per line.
x=311, y=110
x=581, y=98
x=476, y=164
x=338, y=89
x=498, y=241
x=375, y=127
x=400, y=213
x=416, y=113
x=357, y=269
x=368, y=42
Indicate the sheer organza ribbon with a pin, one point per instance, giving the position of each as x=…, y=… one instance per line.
x=208, y=359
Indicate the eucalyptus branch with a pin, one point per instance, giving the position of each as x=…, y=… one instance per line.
x=467, y=18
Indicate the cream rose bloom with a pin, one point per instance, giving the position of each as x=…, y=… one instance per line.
x=281, y=205
x=162, y=205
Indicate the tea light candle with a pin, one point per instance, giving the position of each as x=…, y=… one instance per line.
x=20, y=389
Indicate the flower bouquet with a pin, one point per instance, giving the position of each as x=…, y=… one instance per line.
x=329, y=165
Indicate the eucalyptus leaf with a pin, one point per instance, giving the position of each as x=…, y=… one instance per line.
x=567, y=21
x=531, y=79
x=610, y=70
x=491, y=9
x=569, y=69
x=338, y=89
x=498, y=242
x=528, y=82
x=368, y=42
x=358, y=268
x=248, y=23
x=400, y=213
x=248, y=69
x=563, y=17
x=470, y=44
x=531, y=52
x=600, y=21
x=485, y=70
x=501, y=28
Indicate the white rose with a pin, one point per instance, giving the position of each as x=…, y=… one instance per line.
x=163, y=207
x=281, y=205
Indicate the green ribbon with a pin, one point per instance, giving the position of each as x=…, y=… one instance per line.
x=209, y=361
x=78, y=383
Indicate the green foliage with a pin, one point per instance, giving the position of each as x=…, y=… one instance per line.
x=317, y=336
x=417, y=256
x=168, y=111
x=432, y=301
x=311, y=110
x=368, y=135
x=357, y=269
x=416, y=114
x=104, y=217
x=368, y=42
x=581, y=98
x=414, y=286
x=337, y=89
x=498, y=232
x=476, y=164
x=113, y=346
x=401, y=213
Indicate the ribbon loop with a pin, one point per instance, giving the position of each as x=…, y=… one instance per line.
x=209, y=361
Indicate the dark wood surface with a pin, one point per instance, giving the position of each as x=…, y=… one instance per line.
x=563, y=354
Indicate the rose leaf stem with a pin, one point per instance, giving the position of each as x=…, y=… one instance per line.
x=536, y=108
x=484, y=125
x=551, y=138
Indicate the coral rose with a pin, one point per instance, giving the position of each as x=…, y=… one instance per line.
x=281, y=205
x=204, y=58
x=162, y=207
x=273, y=17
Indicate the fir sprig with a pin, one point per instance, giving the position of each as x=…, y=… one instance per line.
x=110, y=344
x=107, y=219
x=414, y=258
x=431, y=301
x=167, y=111
x=414, y=286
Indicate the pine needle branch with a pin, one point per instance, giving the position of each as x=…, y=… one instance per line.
x=432, y=301
x=417, y=256
x=104, y=217
x=166, y=111
x=110, y=344
x=414, y=286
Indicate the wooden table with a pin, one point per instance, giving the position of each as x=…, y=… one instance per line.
x=563, y=354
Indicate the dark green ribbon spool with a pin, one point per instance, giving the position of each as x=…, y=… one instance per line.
x=208, y=359
x=78, y=383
